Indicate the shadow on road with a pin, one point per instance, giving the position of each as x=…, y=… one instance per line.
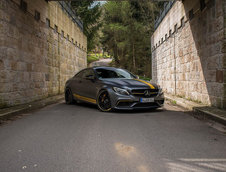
x=94, y=107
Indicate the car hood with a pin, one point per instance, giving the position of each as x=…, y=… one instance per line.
x=130, y=83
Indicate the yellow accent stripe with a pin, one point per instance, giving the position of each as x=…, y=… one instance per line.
x=147, y=83
x=106, y=110
x=85, y=98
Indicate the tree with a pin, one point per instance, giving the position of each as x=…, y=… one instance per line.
x=127, y=29
x=90, y=13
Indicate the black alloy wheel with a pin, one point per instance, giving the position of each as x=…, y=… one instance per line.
x=104, y=101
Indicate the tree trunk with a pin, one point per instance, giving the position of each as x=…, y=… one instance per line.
x=116, y=54
x=134, y=60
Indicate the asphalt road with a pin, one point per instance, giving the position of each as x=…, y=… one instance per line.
x=79, y=138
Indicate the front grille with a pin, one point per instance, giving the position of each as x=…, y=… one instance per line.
x=141, y=92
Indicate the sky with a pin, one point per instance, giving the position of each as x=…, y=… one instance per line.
x=101, y=2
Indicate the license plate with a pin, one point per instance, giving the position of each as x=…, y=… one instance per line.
x=147, y=100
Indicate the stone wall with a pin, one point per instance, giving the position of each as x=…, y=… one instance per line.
x=37, y=56
x=188, y=52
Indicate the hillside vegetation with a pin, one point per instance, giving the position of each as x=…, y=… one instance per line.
x=123, y=29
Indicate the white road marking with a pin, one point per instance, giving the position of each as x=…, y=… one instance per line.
x=212, y=166
x=24, y=167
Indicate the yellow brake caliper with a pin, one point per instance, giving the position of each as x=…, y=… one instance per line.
x=102, y=100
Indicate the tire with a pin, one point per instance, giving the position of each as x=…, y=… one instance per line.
x=69, y=99
x=104, y=101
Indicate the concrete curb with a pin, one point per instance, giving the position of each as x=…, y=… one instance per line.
x=12, y=111
x=199, y=110
x=209, y=115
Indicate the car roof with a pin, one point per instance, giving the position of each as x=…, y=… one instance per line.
x=104, y=67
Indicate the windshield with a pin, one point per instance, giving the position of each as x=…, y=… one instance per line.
x=114, y=73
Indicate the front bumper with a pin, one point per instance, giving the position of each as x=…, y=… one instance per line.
x=131, y=102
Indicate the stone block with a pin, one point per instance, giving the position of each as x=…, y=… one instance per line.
x=29, y=67
x=22, y=66
x=4, y=16
x=218, y=102
x=205, y=99
x=224, y=75
x=12, y=54
x=181, y=53
x=5, y=87
x=13, y=65
x=223, y=49
x=224, y=103
x=224, y=93
x=225, y=31
x=224, y=61
x=3, y=5
x=3, y=103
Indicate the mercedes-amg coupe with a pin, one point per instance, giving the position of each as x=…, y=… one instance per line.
x=112, y=88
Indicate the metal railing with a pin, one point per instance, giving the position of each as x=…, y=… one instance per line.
x=163, y=13
x=66, y=6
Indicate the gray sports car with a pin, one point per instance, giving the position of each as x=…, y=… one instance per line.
x=112, y=88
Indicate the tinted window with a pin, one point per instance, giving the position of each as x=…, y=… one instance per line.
x=87, y=72
x=80, y=74
x=113, y=73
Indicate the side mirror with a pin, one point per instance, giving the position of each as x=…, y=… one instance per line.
x=137, y=77
x=90, y=77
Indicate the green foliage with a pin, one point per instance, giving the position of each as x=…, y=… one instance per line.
x=144, y=78
x=127, y=29
x=92, y=58
x=95, y=57
x=90, y=15
x=174, y=102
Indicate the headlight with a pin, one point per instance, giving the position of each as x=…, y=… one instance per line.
x=160, y=89
x=121, y=91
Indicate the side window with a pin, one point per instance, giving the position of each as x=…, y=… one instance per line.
x=80, y=74
x=88, y=72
